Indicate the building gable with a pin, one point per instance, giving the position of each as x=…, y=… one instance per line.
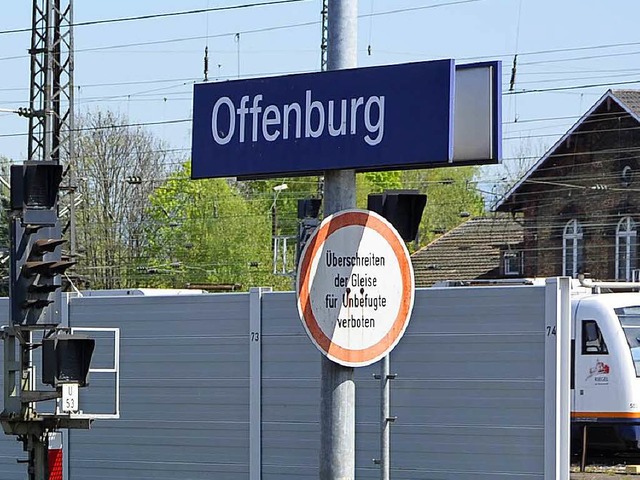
x=579, y=202
x=604, y=116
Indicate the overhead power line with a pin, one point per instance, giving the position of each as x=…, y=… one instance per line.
x=413, y=9
x=113, y=127
x=235, y=7
x=165, y=15
x=186, y=120
x=571, y=87
x=226, y=34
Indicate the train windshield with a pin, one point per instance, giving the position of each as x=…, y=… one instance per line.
x=630, y=320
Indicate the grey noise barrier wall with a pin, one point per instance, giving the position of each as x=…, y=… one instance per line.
x=226, y=386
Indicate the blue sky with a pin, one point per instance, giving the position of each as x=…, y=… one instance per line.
x=146, y=68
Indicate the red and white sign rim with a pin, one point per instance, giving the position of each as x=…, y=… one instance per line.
x=330, y=225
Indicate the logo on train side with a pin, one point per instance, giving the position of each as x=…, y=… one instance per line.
x=599, y=372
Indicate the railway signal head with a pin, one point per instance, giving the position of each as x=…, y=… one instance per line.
x=66, y=358
x=35, y=255
x=402, y=208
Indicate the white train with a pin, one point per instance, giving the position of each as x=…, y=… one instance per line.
x=606, y=371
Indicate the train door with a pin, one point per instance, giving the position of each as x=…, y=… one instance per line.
x=592, y=369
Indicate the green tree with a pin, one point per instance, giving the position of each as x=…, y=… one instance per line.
x=376, y=182
x=206, y=231
x=451, y=191
x=220, y=231
x=451, y=198
x=268, y=196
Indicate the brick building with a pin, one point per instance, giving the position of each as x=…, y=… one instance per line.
x=580, y=202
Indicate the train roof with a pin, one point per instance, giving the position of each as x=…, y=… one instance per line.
x=610, y=299
x=611, y=294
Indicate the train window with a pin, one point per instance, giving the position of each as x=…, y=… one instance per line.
x=592, y=340
x=630, y=320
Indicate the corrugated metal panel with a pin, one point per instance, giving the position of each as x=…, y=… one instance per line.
x=184, y=389
x=10, y=449
x=470, y=390
x=469, y=395
x=290, y=393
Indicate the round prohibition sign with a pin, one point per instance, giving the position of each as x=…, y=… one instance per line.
x=355, y=287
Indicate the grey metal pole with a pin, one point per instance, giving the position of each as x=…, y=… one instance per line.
x=384, y=418
x=38, y=461
x=338, y=393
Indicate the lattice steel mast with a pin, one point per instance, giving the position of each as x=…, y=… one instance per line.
x=50, y=140
x=325, y=34
x=51, y=113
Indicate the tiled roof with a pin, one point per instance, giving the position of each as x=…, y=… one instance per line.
x=469, y=251
x=630, y=98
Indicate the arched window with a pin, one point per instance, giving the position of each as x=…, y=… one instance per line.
x=626, y=249
x=572, y=248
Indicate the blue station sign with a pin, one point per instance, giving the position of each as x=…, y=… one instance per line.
x=375, y=118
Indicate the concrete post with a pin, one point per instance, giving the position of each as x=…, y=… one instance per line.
x=337, y=403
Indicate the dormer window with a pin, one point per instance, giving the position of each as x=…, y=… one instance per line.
x=512, y=263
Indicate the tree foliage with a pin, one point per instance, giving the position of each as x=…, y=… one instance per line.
x=504, y=176
x=205, y=231
x=283, y=203
x=452, y=197
x=116, y=168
